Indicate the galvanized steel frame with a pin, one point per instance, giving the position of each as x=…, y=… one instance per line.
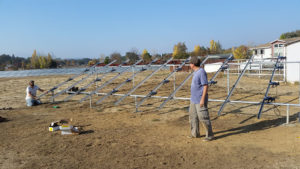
x=234, y=86
x=143, y=81
x=271, y=83
x=115, y=90
x=110, y=80
x=154, y=90
x=83, y=79
x=70, y=79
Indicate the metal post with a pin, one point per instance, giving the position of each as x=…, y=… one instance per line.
x=287, y=114
x=174, y=78
x=96, y=77
x=136, y=108
x=285, y=67
x=228, y=80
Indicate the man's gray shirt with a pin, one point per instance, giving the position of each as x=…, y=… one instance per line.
x=199, y=80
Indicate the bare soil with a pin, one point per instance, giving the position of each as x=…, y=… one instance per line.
x=119, y=137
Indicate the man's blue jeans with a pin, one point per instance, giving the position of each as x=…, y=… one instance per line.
x=32, y=102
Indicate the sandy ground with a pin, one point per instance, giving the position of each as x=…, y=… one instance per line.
x=118, y=137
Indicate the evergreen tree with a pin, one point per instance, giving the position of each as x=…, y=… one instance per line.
x=106, y=60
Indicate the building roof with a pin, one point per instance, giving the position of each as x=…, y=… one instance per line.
x=285, y=41
x=291, y=40
x=263, y=46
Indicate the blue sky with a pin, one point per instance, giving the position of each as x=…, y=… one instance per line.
x=89, y=28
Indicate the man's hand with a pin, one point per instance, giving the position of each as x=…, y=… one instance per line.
x=205, y=88
x=201, y=103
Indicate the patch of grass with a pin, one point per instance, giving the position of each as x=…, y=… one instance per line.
x=155, y=120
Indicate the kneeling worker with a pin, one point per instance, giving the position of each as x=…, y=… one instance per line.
x=31, y=98
x=199, y=99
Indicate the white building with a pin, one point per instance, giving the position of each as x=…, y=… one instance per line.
x=290, y=48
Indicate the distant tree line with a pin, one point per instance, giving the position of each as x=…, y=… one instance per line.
x=290, y=34
x=38, y=61
x=180, y=51
x=12, y=62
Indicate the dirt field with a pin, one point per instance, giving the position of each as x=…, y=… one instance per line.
x=118, y=137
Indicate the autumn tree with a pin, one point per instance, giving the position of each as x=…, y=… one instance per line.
x=146, y=56
x=241, y=52
x=34, y=60
x=132, y=56
x=215, y=47
x=199, y=51
x=116, y=56
x=42, y=61
x=180, y=51
x=92, y=62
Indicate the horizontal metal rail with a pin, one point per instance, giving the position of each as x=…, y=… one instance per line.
x=187, y=99
x=116, y=89
x=83, y=79
x=184, y=81
x=143, y=81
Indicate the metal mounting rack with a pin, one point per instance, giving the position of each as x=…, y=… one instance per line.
x=234, y=86
x=68, y=80
x=74, y=84
x=165, y=81
x=143, y=81
x=116, y=89
x=267, y=98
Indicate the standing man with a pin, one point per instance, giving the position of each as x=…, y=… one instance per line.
x=199, y=99
x=31, y=98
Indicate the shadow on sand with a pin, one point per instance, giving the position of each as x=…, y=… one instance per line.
x=262, y=125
